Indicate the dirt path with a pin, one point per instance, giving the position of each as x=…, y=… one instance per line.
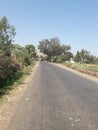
x=8, y=108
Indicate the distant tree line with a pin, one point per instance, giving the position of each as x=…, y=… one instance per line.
x=13, y=57
x=84, y=56
x=57, y=52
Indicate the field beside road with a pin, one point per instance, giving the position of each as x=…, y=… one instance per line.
x=89, y=69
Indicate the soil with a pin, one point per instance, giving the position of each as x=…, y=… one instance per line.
x=8, y=108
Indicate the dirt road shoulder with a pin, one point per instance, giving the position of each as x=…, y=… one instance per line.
x=8, y=108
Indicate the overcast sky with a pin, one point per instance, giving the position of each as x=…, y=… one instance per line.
x=74, y=22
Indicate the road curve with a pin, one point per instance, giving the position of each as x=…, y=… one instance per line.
x=57, y=99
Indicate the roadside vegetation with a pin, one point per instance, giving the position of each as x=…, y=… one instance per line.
x=84, y=62
x=21, y=76
x=15, y=60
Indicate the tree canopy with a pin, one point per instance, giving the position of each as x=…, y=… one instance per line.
x=84, y=56
x=13, y=57
x=7, y=33
x=52, y=47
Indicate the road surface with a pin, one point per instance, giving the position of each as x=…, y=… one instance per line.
x=57, y=99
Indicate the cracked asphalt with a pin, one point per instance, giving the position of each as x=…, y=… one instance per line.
x=57, y=99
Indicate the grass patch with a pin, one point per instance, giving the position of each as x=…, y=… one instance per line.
x=89, y=67
x=21, y=75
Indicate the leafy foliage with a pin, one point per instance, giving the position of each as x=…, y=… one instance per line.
x=84, y=56
x=7, y=33
x=53, y=49
x=13, y=58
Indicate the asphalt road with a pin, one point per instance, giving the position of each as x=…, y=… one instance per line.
x=57, y=99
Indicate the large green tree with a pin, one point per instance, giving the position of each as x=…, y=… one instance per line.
x=13, y=57
x=7, y=67
x=7, y=33
x=31, y=50
x=77, y=58
x=84, y=54
x=53, y=47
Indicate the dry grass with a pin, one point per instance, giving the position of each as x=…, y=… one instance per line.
x=89, y=69
x=7, y=89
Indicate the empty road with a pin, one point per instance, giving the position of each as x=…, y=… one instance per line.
x=57, y=99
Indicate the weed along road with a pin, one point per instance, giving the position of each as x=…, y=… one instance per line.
x=57, y=99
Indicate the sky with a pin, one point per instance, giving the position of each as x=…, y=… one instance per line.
x=74, y=22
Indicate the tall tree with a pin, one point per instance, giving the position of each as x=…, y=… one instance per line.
x=31, y=50
x=7, y=33
x=77, y=58
x=65, y=48
x=52, y=47
x=84, y=54
x=84, y=57
x=7, y=68
x=45, y=47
